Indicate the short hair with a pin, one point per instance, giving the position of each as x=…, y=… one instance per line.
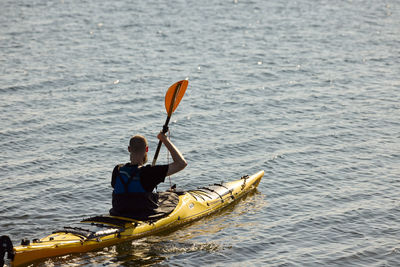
x=138, y=143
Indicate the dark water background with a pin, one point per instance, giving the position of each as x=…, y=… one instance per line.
x=307, y=90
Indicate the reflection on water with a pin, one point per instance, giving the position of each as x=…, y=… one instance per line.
x=155, y=250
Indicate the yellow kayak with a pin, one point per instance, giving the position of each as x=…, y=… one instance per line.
x=102, y=231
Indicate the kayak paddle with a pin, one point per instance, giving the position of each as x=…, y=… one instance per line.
x=172, y=99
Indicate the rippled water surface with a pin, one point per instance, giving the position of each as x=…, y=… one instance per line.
x=308, y=91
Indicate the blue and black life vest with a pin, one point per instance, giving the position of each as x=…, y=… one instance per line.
x=128, y=180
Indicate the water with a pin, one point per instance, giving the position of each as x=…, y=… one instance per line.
x=307, y=90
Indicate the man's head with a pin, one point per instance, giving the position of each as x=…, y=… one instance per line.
x=138, y=148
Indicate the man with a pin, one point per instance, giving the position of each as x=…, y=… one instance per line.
x=134, y=183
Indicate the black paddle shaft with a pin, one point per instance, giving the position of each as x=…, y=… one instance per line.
x=165, y=129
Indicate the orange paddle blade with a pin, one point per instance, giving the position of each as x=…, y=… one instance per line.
x=174, y=95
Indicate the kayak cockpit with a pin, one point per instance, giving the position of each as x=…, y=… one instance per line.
x=167, y=202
